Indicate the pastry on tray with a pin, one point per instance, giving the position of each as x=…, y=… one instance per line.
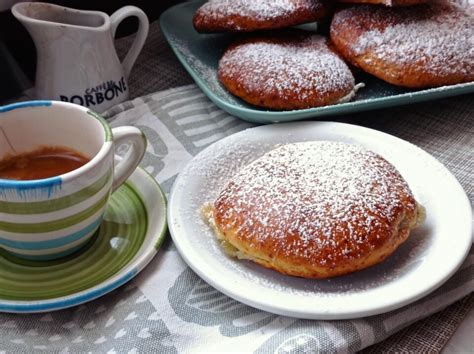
x=285, y=71
x=315, y=210
x=253, y=15
x=388, y=2
x=419, y=46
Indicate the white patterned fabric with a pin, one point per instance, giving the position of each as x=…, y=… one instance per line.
x=168, y=309
x=181, y=122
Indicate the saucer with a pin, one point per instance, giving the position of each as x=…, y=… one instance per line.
x=130, y=235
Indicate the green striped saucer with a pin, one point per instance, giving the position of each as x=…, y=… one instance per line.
x=133, y=230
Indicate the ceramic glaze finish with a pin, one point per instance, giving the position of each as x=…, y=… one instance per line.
x=130, y=235
x=76, y=57
x=50, y=218
x=441, y=244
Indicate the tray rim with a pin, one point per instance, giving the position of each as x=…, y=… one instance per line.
x=257, y=115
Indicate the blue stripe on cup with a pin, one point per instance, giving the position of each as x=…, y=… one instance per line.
x=47, y=244
x=13, y=106
x=47, y=185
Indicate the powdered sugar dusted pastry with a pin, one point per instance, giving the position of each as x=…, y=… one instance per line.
x=418, y=47
x=253, y=15
x=388, y=2
x=315, y=210
x=285, y=71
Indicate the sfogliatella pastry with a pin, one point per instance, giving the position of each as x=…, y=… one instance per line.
x=286, y=71
x=315, y=210
x=253, y=15
x=417, y=47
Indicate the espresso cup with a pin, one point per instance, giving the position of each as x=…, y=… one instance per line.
x=49, y=218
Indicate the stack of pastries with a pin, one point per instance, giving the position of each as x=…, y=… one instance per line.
x=410, y=43
x=320, y=209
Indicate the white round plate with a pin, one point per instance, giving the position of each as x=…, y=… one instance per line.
x=428, y=258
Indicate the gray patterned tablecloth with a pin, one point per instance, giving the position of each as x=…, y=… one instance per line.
x=179, y=124
x=167, y=308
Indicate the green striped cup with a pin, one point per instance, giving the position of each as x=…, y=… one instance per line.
x=53, y=217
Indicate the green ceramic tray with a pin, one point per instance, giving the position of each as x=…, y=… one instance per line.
x=200, y=54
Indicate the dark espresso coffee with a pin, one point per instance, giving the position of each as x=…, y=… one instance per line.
x=44, y=162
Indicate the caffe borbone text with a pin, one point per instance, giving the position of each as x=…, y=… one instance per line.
x=106, y=91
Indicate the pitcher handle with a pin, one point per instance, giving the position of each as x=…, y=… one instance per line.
x=137, y=45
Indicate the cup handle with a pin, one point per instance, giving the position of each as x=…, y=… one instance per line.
x=137, y=45
x=124, y=168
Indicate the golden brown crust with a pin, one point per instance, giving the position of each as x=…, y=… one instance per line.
x=293, y=212
x=251, y=15
x=285, y=71
x=417, y=47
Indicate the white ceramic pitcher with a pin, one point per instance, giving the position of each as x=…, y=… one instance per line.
x=76, y=57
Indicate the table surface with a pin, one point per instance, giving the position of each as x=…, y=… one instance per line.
x=461, y=341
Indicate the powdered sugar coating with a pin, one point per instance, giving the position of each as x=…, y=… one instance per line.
x=249, y=15
x=438, y=38
x=263, y=9
x=467, y=5
x=388, y=2
x=298, y=72
x=325, y=203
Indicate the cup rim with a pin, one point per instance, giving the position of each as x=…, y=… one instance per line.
x=68, y=176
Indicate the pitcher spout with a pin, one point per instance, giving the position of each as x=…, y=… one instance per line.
x=39, y=14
